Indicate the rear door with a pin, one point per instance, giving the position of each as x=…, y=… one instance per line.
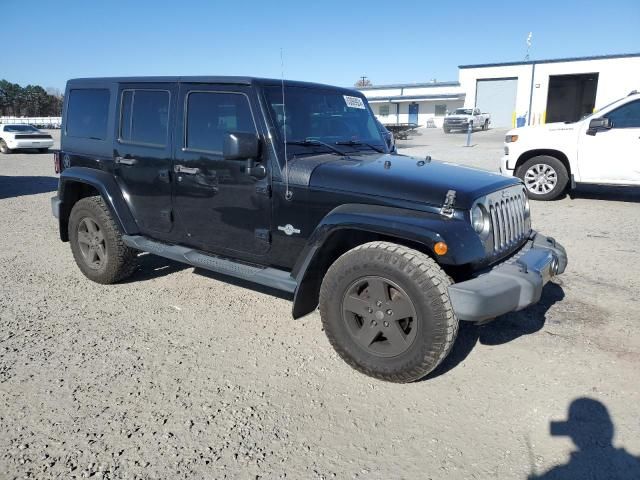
x=143, y=153
x=219, y=206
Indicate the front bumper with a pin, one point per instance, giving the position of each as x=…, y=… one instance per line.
x=511, y=285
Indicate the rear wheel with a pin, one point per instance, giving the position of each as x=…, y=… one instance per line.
x=386, y=310
x=96, y=243
x=486, y=125
x=544, y=177
x=3, y=147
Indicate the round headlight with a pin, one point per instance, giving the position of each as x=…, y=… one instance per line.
x=480, y=220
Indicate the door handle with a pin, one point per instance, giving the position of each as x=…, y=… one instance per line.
x=186, y=170
x=125, y=161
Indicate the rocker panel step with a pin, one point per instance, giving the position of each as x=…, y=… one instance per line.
x=270, y=277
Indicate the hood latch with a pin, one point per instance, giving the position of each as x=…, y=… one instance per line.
x=447, y=209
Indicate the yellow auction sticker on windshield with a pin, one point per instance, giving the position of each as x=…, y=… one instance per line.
x=354, y=102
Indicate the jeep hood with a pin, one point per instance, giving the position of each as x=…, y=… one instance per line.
x=407, y=178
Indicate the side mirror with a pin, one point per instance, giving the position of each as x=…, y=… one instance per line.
x=598, y=124
x=240, y=146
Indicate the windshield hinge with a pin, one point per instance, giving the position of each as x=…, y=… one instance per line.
x=447, y=209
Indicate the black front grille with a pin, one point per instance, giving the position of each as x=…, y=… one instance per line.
x=32, y=135
x=509, y=219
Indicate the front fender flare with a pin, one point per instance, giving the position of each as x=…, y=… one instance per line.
x=414, y=226
x=108, y=189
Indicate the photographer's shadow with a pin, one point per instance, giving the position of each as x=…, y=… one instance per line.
x=591, y=429
x=502, y=330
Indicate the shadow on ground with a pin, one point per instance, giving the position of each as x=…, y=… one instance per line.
x=502, y=330
x=19, y=186
x=606, y=192
x=153, y=266
x=591, y=429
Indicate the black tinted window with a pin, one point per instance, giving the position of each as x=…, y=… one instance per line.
x=87, y=113
x=144, y=116
x=211, y=115
x=627, y=116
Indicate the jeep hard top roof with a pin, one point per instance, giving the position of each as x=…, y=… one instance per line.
x=222, y=80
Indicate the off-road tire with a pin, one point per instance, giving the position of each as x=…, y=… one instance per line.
x=556, y=165
x=121, y=260
x=3, y=147
x=426, y=286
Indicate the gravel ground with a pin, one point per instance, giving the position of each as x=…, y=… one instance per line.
x=177, y=374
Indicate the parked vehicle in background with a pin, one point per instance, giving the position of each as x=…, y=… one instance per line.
x=388, y=136
x=299, y=192
x=602, y=148
x=13, y=137
x=462, y=117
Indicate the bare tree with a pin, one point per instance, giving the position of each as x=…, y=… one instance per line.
x=363, y=82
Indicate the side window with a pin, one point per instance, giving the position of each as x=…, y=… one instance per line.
x=440, y=110
x=384, y=110
x=144, y=117
x=87, y=113
x=627, y=116
x=210, y=115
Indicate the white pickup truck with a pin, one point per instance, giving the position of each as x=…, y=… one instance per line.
x=462, y=117
x=602, y=148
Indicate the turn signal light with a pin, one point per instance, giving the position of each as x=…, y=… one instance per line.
x=440, y=248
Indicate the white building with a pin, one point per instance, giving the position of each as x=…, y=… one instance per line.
x=515, y=93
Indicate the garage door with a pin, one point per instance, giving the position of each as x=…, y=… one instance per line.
x=497, y=97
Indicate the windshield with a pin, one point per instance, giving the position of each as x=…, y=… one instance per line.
x=463, y=111
x=20, y=128
x=326, y=116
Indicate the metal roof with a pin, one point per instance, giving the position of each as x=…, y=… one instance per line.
x=411, y=85
x=416, y=98
x=553, y=60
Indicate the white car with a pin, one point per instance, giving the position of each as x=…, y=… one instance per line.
x=602, y=148
x=17, y=136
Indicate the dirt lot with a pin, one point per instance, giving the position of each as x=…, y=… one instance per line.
x=176, y=374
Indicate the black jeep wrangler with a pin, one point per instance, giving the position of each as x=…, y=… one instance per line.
x=291, y=185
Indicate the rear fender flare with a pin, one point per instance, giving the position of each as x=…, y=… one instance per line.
x=108, y=189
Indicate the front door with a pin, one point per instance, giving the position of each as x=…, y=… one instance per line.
x=613, y=156
x=413, y=113
x=142, y=153
x=220, y=207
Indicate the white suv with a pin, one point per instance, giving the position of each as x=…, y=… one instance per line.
x=602, y=148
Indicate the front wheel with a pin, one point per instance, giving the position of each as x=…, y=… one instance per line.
x=544, y=177
x=386, y=310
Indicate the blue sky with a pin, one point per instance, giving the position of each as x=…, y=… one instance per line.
x=327, y=41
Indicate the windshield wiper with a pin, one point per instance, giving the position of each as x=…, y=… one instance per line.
x=314, y=142
x=353, y=143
